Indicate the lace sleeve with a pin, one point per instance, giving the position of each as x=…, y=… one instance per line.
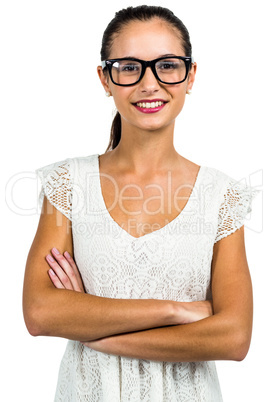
x=57, y=186
x=234, y=208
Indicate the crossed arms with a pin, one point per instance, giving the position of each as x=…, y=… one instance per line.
x=56, y=305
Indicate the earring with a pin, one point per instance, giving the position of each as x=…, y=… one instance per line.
x=107, y=94
x=189, y=91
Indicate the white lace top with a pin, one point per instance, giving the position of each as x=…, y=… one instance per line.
x=171, y=263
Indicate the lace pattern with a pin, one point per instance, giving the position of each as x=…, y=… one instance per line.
x=57, y=186
x=236, y=204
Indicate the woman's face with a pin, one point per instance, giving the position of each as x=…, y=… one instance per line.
x=147, y=41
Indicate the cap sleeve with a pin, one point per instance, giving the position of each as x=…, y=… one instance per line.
x=57, y=184
x=236, y=204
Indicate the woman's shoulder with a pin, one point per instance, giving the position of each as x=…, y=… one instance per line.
x=58, y=180
x=227, y=189
x=215, y=173
x=206, y=175
x=67, y=164
x=219, y=179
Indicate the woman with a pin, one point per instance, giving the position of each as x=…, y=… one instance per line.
x=157, y=239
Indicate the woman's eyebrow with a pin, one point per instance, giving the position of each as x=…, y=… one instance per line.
x=169, y=55
x=160, y=56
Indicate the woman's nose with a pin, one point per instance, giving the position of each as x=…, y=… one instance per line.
x=149, y=83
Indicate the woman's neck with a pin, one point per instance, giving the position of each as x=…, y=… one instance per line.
x=142, y=152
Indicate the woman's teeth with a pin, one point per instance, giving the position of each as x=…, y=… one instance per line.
x=149, y=105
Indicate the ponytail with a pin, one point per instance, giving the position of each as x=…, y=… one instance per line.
x=115, y=135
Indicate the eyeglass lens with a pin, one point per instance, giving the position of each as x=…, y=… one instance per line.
x=170, y=70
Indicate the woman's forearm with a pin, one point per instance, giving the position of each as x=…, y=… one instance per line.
x=213, y=338
x=80, y=316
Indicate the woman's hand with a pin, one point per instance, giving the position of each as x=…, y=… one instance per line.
x=63, y=271
x=194, y=311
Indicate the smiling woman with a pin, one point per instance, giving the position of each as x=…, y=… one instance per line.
x=168, y=63
x=144, y=249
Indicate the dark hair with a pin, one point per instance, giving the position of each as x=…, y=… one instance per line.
x=123, y=18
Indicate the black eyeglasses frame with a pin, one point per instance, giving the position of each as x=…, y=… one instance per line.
x=109, y=63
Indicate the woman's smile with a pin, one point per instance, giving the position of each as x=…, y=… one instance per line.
x=150, y=106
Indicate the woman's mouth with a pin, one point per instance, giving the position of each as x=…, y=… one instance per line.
x=152, y=106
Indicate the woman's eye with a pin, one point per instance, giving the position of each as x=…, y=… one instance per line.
x=129, y=68
x=167, y=66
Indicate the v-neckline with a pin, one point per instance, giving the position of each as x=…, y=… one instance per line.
x=154, y=232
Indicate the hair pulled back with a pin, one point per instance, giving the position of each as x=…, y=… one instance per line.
x=123, y=18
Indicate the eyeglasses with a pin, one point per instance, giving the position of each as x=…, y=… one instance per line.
x=129, y=71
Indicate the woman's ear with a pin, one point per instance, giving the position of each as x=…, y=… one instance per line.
x=103, y=79
x=191, y=77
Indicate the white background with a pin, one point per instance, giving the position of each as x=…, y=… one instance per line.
x=53, y=107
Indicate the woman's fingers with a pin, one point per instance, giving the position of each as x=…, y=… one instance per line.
x=75, y=269
x=57, y=266
x=55, y=280
x=70, y=278
x=65, y=270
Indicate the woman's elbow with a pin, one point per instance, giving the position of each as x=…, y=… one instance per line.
x=35, y=317
x=242, y=350
x=32, y=321
x=241, y=345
